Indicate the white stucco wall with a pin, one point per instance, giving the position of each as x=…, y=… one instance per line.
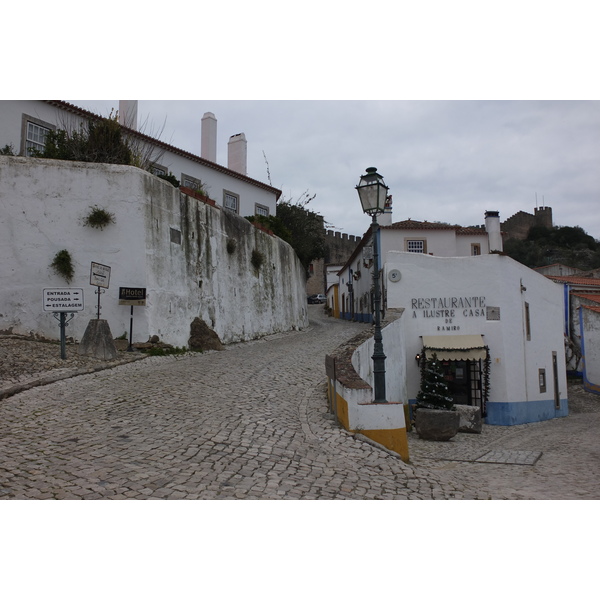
x=497, y=281
x=43, y=204
x=464, y=243
x=394, y=348
x=217, y=183
x=439, y=242
x=591, y=338
x=11, y=118
x=179, y=163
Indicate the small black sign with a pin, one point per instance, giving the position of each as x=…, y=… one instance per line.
x=131, y=296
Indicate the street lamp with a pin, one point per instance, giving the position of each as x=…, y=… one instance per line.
x=372, y=192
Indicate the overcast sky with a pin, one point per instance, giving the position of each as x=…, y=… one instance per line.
x=444, y=161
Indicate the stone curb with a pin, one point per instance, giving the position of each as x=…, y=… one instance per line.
x=47, y=380
x=364, y=438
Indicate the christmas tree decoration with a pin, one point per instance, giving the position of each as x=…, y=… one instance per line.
x=434, y=391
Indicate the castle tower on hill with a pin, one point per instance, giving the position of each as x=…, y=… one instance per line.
x=518, y=226
x=543, y=217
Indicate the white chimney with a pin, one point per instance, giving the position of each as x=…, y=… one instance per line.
x=128, y=113
x=237, y=153
x=386, y=218
x=208, y=148
x=492, y=227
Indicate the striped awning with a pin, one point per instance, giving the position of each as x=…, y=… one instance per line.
x=455, y=347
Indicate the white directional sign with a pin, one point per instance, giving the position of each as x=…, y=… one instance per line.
x=63, y=299
x=99, y=275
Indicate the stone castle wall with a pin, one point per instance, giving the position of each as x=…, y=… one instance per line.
x=518, y=226
x=338, y=249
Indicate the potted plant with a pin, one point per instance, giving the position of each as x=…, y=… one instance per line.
x=435, y=417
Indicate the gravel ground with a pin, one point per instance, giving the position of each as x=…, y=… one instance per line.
x=24, y=362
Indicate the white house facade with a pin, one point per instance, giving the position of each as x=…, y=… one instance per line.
x=581, y=304
x=24, y=124
x=413, y=237
x=495, y=324
x=589, y=318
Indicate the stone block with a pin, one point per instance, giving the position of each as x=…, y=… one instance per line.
x=470, y=418
x=97, y=341
x=437, y=425
x=203, y=337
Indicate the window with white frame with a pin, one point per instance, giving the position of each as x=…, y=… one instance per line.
x=261, y=210
x=158, y=170
x=35, y=138
x=231, y=201
x=191, y=182
x=475, y=249
x=416, y=246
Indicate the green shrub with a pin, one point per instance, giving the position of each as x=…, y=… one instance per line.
x=99, y=142
x=171, y=179
x=63, y=265
x=98, y=218
x=257, y=260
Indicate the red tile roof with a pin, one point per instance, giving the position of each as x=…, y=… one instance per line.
x=590, y=297
x=575, y=280
x=410, y=224
x=596, y=309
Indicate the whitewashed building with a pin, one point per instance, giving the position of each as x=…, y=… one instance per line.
x=581, y=305
x=24, y=124
x=413, y=237
x=496, y=325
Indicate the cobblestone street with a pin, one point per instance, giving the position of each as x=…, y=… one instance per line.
x=251, y=423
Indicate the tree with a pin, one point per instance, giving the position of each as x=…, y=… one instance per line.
x=307, y=228
x=434, y=391
x=302, y=228
x=568, y=245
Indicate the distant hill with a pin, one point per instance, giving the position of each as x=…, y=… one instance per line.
x=570, y=246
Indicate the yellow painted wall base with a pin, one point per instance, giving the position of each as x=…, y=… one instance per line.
x=342, y=412
x=392, y=439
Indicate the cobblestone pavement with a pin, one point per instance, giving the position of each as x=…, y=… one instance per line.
x=251, y=423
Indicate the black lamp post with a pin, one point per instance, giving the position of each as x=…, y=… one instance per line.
x=373, y=195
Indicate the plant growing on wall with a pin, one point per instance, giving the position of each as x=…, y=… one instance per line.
x=171, y=179
x=231, y=245
x=63, y=265
x=8, y=150
x=98, y=218
x=434, y=391
x=257, y=259
x=101, y=140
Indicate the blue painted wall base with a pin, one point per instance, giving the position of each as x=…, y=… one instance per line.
x=518, y=413
x=359, y=317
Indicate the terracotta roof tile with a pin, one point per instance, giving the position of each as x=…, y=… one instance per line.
x=589, y=297
x=595, y=309
x=409, y=224
x=575, y=280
